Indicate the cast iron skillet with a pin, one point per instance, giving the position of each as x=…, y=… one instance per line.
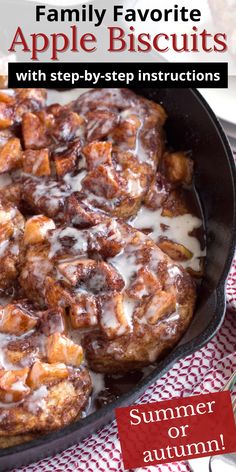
x=191, y=126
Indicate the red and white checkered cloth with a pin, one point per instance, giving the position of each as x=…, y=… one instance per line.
x=206, y=370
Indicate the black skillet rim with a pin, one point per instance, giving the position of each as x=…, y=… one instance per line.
x=47, y=441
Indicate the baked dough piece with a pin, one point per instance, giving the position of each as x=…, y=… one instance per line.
x=43, y=384
x=48, y=408
x=105, y=146
x=133, y=127
x=114, y=280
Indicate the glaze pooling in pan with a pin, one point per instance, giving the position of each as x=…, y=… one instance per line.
x=178, y=229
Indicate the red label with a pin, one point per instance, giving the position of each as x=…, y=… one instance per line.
x=175, y=430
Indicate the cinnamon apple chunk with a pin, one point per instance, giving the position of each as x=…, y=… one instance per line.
x=105, y=278
x=55, y=294
x=36, y=229
x=6, y=98
x=36, y=162
x=175, y=204
x=66, y=125
x=42, y=373
x=178, y=168
x=15, y=319
x=59, y=348
x=97, y=153
x=125, y=134
x=99, y=123
x=23, y=350
x=34, y=132
x=176, y=251
x=77, y=271
x=158, y=192
x=145, y=284
x=34, y=271
x=43, y=196
x=103, y=182
x=28, y=99
x=79, y=214
x=10, y=155
x=113, y=320
x=84, y=311
x=13, y=387
x=6, y=115
x=67, y=159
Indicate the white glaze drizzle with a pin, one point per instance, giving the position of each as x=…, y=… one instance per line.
x=126, y=265
x=36, y=400
x=75, y=182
